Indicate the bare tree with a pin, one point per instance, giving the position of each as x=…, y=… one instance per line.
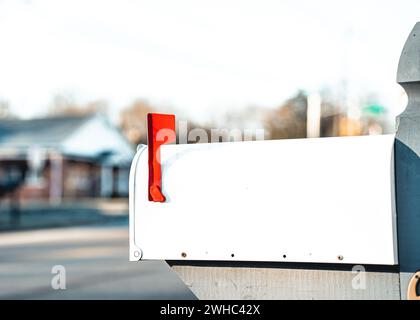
x=133, y=121
x=65, y=105
x=5, y=112
x=289, y=120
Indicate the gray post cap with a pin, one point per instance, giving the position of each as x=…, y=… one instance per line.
x=409, y=65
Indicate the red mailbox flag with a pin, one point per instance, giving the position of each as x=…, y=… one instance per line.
x=160, y=130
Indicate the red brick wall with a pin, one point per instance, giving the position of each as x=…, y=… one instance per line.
x=80, y=180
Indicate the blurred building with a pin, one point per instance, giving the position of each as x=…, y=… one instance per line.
x=65, y=157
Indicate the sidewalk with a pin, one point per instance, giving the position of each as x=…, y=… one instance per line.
x=41, y=214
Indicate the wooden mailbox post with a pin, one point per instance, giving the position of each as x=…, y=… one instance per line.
x=407, y=163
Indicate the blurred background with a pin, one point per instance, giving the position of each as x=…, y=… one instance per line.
x=78, y=78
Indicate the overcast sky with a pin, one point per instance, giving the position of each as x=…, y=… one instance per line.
x=202, y=56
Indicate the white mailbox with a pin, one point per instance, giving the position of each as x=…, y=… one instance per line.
x=326, y=200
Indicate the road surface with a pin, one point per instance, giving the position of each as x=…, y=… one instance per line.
x=95, y=261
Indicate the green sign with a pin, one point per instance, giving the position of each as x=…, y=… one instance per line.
x=373, y=110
